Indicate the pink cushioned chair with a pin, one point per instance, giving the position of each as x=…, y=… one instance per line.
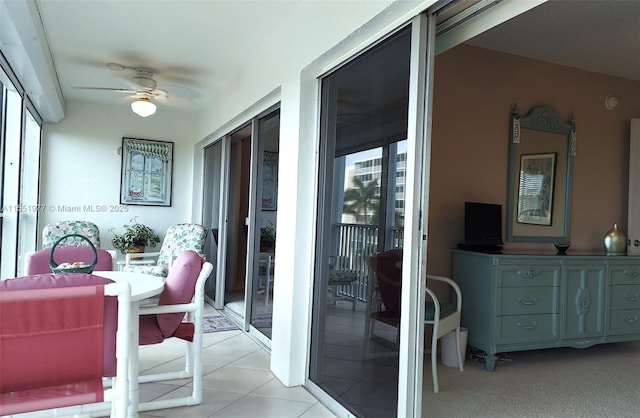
x=53, y=345
x=38, y=262
x=386, y=271
x=183, y=293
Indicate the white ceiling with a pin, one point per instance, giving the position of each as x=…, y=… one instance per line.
x=199, y=48
x=601, y=36
x=195, y=48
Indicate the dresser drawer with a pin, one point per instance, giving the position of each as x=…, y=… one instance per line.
x=531, y=275
x=528, y=328
x=625, y=275
x=625, y=297
x=529, y=300
x=624, y=321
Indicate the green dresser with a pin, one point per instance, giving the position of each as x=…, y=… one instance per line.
x=514, y=302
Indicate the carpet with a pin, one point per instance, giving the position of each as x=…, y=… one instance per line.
x=217, y=323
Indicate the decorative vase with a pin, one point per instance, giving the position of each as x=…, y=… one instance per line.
x=615, y=241
x=562, y=247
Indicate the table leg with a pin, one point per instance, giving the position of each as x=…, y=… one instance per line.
x=267, y=285
x=134, y=329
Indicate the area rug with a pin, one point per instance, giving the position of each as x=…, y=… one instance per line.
x=217, y=323
x=262, y=321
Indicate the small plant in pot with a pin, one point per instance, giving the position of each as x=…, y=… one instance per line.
x=267, y=238
x=135, y=238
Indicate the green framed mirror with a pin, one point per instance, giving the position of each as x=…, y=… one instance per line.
x=541, y=152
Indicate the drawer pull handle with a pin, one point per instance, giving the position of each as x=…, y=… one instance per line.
x=531, y=301
x=632, y=273
x=633, y=298
x=531, y=273
x=631, y=320
x=530, y=326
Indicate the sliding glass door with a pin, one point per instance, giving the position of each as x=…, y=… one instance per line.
x=373, y=196
x=214, y=214
x=364, y=119
x=240, y=208
x=267, y=129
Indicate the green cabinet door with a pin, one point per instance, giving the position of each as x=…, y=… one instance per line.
x=584, y=301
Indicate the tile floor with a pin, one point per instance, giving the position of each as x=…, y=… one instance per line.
x=236, y=379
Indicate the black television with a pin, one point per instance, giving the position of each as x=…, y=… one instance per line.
x=483, y=226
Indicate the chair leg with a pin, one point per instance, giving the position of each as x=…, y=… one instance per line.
x=368, y=333
x=354, y=296
x=460, y=363
x=434, y=365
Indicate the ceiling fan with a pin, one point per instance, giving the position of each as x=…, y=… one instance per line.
x=143, y=87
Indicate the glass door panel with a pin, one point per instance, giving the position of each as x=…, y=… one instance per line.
x=240, y=203
x=11, y=109
x=264, y=244
x=213, y=215
x=29, y=179
x=364, y=116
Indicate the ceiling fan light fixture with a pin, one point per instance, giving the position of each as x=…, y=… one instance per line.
x=143, y=107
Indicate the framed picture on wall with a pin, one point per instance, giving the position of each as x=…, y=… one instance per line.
x=269, y=181
x=146, y=172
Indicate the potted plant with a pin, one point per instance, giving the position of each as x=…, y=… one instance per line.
x=267, y=239
x=135, y=238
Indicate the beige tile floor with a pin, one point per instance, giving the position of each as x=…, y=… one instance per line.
x=237, y=382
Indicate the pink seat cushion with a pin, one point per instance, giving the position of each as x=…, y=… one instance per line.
x=38, y=262
x=149, y=331
x=179, y=288
x=50, y=280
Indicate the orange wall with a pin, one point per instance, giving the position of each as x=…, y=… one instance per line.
x=474, y=91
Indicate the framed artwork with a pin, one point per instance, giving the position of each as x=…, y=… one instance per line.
x=146, y=172
x=269, y=181
x=535, y=188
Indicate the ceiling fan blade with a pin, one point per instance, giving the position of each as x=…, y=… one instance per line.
x=159, y=93
x=119, y=90
x=180, y=92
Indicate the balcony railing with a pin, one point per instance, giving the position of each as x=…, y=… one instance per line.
x=356, y=243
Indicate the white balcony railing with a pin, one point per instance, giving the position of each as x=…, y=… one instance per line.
x=356, y=243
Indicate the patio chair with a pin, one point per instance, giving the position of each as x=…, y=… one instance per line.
x=51, y=233
x=37, y=262
x=383, y=301
x=59, y=336
x=386, y=268
x=183, y=293
x=178, y=238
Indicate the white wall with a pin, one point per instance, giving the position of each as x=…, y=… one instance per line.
x=81, y=166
